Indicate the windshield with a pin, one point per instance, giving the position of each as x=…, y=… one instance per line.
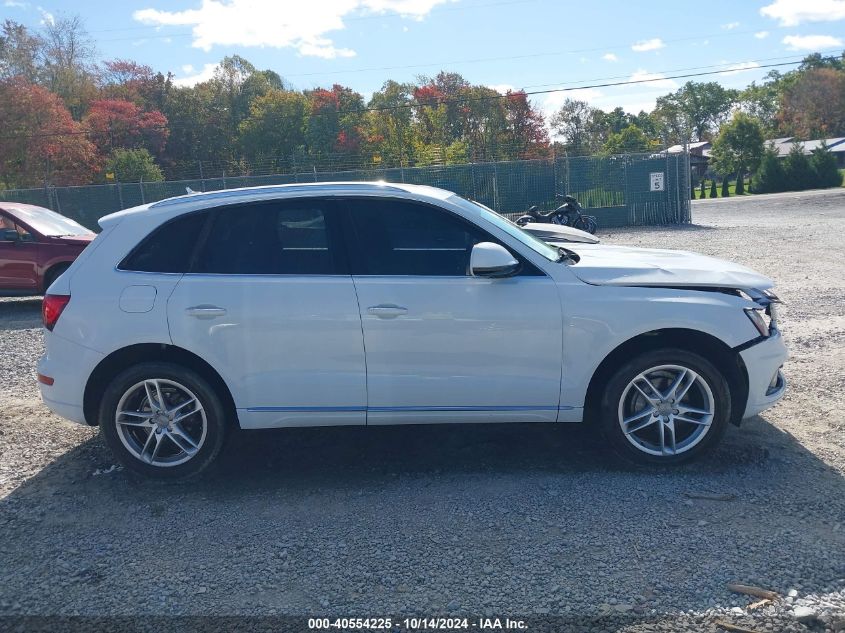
x=535, y=244
x=48, y=222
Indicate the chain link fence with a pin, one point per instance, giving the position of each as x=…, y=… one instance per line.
x=630, y=189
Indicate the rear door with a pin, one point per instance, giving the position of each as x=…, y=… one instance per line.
x=444, y=346
x=269, y=303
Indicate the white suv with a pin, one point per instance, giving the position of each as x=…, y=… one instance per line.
x=374, y=303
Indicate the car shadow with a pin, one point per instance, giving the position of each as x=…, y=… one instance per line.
x=498, y=493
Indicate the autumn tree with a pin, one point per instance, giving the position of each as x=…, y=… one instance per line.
x=335, y=121
x=41, y=143
x=525, y=133
x=117, y=123
x=814, y=104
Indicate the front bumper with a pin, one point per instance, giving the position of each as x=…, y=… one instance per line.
x=766, y=383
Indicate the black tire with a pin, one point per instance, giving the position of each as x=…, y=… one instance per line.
x=610, y=416
x=216, y=427
x=54, y=274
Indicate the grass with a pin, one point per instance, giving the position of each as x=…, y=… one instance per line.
x=731, y=190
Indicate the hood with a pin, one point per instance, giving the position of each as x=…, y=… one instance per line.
x=559, y=233
x=605, y=265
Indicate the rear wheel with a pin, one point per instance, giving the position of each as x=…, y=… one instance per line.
x=163, y=420
x=665, y=406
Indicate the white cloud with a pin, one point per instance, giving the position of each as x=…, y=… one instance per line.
x=46, y=16
x=730, y=26
x=610, y=57
x=655, y=81
x=205, y=74
x=794, y=12
x=188, y=69
x=302, y=26
x=811, y=42
x=502, y=88
x=761, y=35
x=553, y=101
x=740, y=68
x=15, y=4
x=648, y=45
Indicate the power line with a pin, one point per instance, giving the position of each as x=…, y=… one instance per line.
x=445, y=101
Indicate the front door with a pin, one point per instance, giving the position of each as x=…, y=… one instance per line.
x=442, y=345
x=18, y=258
x=269, y=303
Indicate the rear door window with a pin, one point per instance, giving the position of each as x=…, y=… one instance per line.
x=291, y=237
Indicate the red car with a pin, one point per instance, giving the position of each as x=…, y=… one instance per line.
x=36, y=246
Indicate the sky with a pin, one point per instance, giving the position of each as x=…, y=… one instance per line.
x=536, y=45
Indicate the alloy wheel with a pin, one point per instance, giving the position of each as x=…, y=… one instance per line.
x=666, y=410
x=161, y=422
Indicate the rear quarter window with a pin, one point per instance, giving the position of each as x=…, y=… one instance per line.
x=169, y=248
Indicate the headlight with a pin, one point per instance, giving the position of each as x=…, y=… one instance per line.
x=762, y=321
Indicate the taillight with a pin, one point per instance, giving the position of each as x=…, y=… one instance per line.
x=51, y=309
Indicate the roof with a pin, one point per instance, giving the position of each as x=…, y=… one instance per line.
x=11, y=207
x=677, y=149
x=194, y=201
x=784, y=146
x=313, y=188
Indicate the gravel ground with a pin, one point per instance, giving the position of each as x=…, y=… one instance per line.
x=477, y=520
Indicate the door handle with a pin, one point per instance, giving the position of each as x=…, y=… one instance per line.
x=387, y=311
x=205, y=312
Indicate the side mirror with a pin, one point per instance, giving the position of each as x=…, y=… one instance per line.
x=9, y=235
x=492, y=260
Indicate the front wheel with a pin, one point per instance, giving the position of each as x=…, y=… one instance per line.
x=665, y=407
x=163, y=420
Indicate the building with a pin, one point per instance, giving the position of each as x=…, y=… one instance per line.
x=836, y=145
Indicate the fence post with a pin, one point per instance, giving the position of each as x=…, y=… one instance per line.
x=202, y=177
x=120, y=195
x=56, y=196
x=496, y=188
x=315, y=172
x=141, y=188
x=224, y=176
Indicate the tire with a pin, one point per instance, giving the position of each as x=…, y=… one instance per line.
x=54, y=274
x=586, y=223
x=182, y=446
x=704, y=388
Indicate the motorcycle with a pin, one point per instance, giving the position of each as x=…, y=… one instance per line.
x=567, y=214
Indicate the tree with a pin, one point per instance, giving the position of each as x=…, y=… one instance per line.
x=713, y=188
x=725, y=184
x=574, y=121
x=390, y=123
x=630, y=140
x=798, y=171
x=19, y=52
x=824, y=165
x=68, y=58
x=738, y=148
x=694, y=110
x=814, y=104
x=335, y=121
x=770, y=176
x=525, y=133
x=275, y=126
x=133, y=165
x=117, y=123
x=41, y=143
